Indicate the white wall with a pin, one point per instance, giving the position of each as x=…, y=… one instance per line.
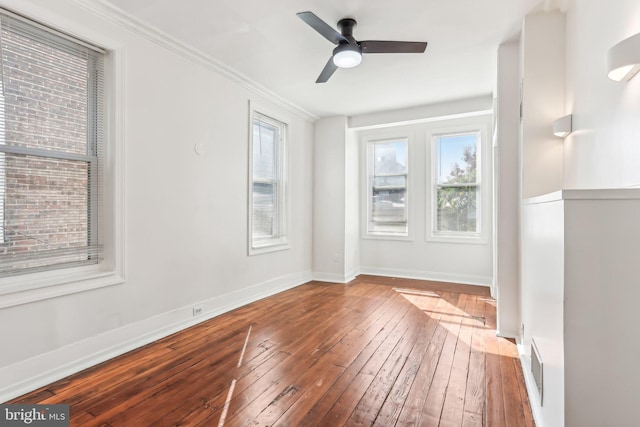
x=507, y=190
x=329, y=199
x=542, y=76
x=600, y=369
x=603, y=151
x=416, y=257
x=419, y=114
x=186, y=215
x=580, y=276
x=340, y=250
x=542, y=294
x=352, y=205
x=542, y=68
x=602, y=380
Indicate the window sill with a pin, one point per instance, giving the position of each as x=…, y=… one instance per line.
x=458, y=239
x=389, y=236
x=268, y=247
x=28, y=288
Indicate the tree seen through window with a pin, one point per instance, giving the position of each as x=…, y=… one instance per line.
x=457, y=187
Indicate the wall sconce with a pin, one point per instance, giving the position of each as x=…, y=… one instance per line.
x=563, y=126
x=623, y=59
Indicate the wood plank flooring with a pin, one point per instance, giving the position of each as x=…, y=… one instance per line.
x=377, y=351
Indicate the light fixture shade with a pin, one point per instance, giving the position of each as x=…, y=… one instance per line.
x=346, y=57
x=563, y=126
x=623, y=59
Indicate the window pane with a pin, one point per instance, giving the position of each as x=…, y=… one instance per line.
x=456, y=210
x=390, y=158
x=265, y=151
x=264, y=210
x=388, y=199
x=457, y=159
x=389, y=182
x=51, y=128
x=268, y=188
x=388, y=205
x=45, y=94
x=46, y=203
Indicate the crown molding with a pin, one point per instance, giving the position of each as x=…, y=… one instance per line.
x=112, y=13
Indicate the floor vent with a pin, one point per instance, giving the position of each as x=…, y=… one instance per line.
x=536, y=368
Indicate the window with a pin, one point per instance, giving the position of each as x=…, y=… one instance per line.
x=51, y=128
x=268, y=192
x=457, y=192
x=387, y=172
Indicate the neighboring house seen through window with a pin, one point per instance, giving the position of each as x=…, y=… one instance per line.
x=387, y=204
x=51, y=130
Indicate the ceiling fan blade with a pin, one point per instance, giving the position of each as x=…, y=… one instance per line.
x=377, y=46
x=327, y=71
x=322, y=27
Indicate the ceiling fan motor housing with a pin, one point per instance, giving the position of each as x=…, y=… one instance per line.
x=346, y=26
x=348, y=53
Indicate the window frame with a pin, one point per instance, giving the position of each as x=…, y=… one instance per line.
x=42, y=285
x=479, y=125
x=280, y=240
x=369, y=143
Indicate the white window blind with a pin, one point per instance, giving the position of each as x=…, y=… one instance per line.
x=51, y=143
x=268, y=192
x=265, y=179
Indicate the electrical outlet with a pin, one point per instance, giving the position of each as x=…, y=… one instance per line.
x=197, y=310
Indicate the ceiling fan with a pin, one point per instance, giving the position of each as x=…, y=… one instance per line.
x=348, y=52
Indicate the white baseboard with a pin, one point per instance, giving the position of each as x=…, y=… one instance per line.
x=30, y=374
x=532, y=391
x=352, y=274
x=428, y=275
x=333, y=277
x=507, y=334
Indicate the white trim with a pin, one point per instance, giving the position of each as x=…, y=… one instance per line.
x=30, y=374
x=279, y=242
x=510, y=335
x=465, y=279
x=333, y=277
x=480, y=124
x=602, y=194
x=352, y=275
x=272, y=246
x=27, y=288
x=425, y=120
x=627, y=193
x=368, y=140
x=532, y=390
x=393, y=237
x=459, y=239
x=424, y=113
x=115, y=159
x=111, y=13
x=556, y=196
x=55, y=286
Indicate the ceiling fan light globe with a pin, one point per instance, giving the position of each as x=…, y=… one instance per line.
x=347, y=59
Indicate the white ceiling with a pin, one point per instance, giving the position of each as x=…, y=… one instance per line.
x=267, y=42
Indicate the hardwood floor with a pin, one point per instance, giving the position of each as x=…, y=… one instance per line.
x=377, y=351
